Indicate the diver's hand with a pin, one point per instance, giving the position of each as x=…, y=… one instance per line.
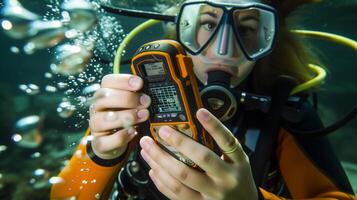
x=228, y=177
x=116, y=108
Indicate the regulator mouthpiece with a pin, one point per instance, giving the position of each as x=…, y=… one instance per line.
x=218, y=97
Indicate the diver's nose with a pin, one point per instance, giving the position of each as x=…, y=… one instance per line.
x=226, y=43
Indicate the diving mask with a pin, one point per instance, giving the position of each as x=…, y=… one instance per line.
x=237, y=30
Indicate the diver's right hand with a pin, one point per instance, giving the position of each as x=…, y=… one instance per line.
x=117, y=106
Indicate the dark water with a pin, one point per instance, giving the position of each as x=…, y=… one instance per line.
x=24, y=172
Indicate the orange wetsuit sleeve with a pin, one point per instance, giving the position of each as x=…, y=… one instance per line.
x=85, y=178
x=310, y=170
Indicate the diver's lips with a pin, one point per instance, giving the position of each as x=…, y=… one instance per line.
x=224, y=69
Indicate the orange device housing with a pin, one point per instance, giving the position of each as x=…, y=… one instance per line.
x=170, y=82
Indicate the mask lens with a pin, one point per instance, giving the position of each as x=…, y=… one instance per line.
x=198, y=23
x=255, y=29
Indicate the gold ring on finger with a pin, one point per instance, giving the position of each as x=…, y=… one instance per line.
x=234, y=148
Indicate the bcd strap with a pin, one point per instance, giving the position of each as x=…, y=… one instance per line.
x=260, y=159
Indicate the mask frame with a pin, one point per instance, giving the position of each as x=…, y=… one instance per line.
x=228, y=16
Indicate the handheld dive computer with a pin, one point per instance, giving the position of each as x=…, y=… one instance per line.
x=170, y=82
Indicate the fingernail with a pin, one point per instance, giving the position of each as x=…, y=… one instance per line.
x=110, y=116
x=144, y=99
x=134, y=81
x=164, y=132
x=145, y=144
x=132, y=131
x=205, y=116
x=142, y=113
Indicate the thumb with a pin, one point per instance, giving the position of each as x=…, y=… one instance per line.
x=226, y=141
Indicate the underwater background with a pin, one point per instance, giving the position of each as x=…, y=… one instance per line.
x=44, y=106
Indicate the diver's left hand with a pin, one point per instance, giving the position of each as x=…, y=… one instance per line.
x=223, y=178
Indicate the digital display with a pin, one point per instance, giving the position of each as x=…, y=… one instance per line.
x=165, y=99
x=153, y=69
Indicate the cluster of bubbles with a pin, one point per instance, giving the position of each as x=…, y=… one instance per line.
x=30, y=89
x=89, y=33
x=19, y=23
x=77, y=32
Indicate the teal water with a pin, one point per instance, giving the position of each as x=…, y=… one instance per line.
x=25, y=171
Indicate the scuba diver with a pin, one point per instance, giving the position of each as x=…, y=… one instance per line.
x=235, y=46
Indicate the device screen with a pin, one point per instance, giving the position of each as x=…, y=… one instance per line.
x=154, y=69
x=165, y=99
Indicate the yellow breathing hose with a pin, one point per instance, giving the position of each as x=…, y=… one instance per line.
x=321, y=73
x=329, y=36
x=127, y=39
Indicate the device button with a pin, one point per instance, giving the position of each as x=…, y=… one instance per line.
x=147, y=47
x=188, y=62
x=182, y=67
x=182, y=117
x=156, y=46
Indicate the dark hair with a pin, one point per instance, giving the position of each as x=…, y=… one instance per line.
x=290, y=56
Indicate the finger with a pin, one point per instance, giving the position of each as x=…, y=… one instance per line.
x=174, y=185
x=122, y=81
x=107, y=121
x=186, y=175
x=106, y=98
x=114, y=141
x=161, y=187
x=201, y=155
x=223, y=137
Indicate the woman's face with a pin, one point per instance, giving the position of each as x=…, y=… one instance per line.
x=247, y=23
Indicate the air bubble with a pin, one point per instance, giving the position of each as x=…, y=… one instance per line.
x=65, y=109
x=50, y=88
x=14, y=50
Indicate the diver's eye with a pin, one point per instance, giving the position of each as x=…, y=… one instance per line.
x=208, y=26
x=247, y=31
